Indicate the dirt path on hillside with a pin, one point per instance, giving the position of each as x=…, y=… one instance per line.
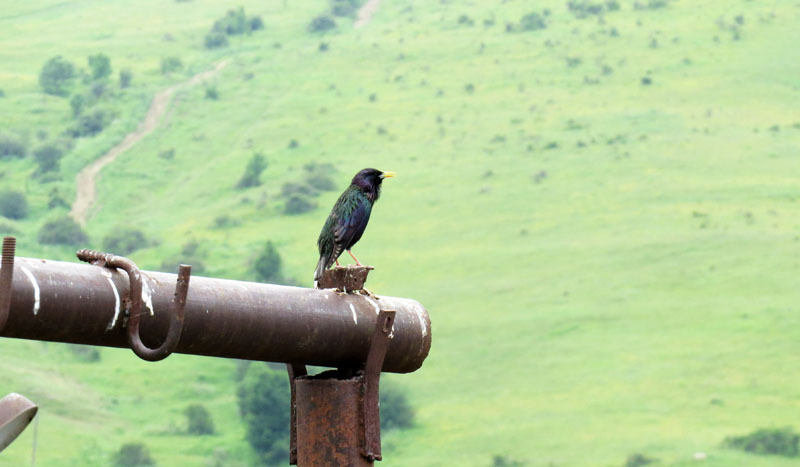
x=86, y=178
x=366, y=12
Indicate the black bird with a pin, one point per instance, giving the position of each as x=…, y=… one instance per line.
x=348, y=218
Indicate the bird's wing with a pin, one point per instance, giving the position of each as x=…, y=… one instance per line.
x=351, y=225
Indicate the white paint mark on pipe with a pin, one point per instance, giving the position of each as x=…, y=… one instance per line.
x=36, y=295
x=355, y=318
x=147, y=295
x=116, y=304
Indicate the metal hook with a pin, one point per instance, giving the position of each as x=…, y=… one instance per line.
x=135, y=297
x=6, y=276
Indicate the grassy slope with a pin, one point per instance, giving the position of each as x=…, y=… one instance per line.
x=577, y=320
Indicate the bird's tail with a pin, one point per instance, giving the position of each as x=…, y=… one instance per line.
x=320, y=269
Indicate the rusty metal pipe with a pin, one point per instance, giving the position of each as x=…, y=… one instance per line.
x=82, y=304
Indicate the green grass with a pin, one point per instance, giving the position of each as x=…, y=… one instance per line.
x=577, y=320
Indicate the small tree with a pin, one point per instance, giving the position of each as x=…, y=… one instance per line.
x=56, y=76
x=264, y=405
x=199, y=420
x=133, y=455
x=125, y=241
x=125, y=77
x=13, y=205
x=298, y=205
x=62, y=231
x=396, y=411
x=322, y=23
x=253, y=171
x=170, y=64
x=268, y=264
x=48, y=157
x=100, y=65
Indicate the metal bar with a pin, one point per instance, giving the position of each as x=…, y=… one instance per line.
x=371, y=424
x=80, y=303
x=328, y=420
x=6, y=277
x=295, y=371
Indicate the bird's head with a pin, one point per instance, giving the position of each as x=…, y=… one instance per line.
x=369, y=181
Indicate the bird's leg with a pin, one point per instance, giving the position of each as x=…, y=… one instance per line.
x=354, y=257
x=337, y=263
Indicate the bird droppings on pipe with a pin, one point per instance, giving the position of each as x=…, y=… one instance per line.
x=353, y=309
x=35, y=285
x=116, y=304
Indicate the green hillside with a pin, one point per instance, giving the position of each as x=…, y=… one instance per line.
x=598, y=207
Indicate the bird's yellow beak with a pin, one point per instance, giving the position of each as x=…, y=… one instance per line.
x=387, y=175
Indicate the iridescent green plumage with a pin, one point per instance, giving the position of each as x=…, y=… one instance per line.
x=348, y=218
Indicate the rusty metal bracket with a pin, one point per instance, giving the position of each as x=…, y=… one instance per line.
x=6, y=276
x=294, y=371
x=371, y=423
x=134, y=303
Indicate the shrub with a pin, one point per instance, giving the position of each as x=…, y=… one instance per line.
x=198, y=420
x=298, y=205
x=55, y=200
x=252, y=172
x=638, y=459
x=344, y=7
x=48, y=157
x=13, y=205
x=12, y=145
x=125, y=241
x=89, y=124
x=264, y=404
x=234, y=22
x=268, y=264
x=532, y=22
x=85, y=353
x=133, y=455
x=212, y=93
x=290, y=189
x=56, y=76
x=321, y=182
x=771, y=441
x=216, y=39
x=170, y=64
x=100, y=66
x=167, y=154
x=76, y=103
x=256, y=23
x=396, y=411
x=125, y=77
x=62, y=231
x=499, y=460
x=322, y=23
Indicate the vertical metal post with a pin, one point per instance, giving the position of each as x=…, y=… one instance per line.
x=336, y=414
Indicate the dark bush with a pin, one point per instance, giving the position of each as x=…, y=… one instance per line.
x=12, y=145
x=167, y=154
x=499, y=460
x=638, y=459
x=290, y=189
x=56, y=76
x=98, y=89
x=255, y=23
x=76, y=103
x=2, y=93
x=268, y=264
x=322, y=23
x=89, y=124
x=170, y=64
x=125, y=241
x=298, y=205
x=212, y=93
x=321, y=182
x=100, y=65
x=133, y=455
x=55, y=200
x=344, y=7
x=13, y=205
x=216, y=39
x=225, y=220
x=252, y=172
x=532, y=22
x=125, y=77
x=396, y=411
x=767, y=441
x=198, y=420
x=264, y=404
x=62, y=231
x=647, y=81
x=234, y=22
x=85, y=353
x=48, y=157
